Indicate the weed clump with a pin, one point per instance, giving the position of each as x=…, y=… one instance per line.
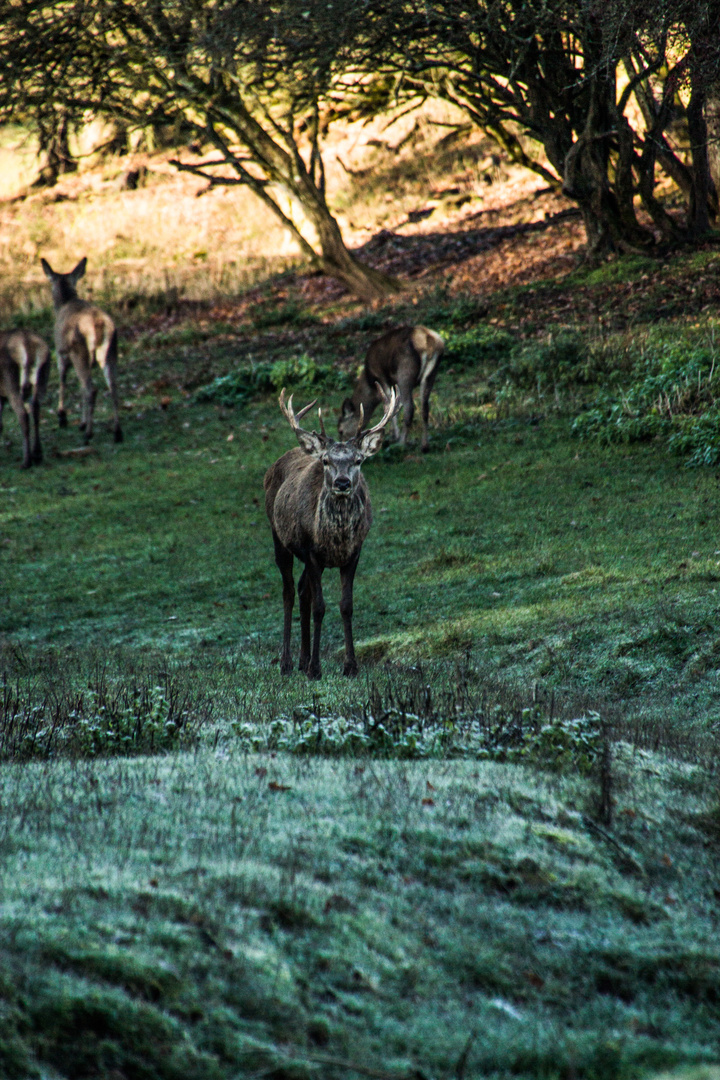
x=671, y=394
x=301, y=372
x=523, y=736
x=107, y=716
x=478, y=345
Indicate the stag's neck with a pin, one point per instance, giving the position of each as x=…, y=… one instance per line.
x=341, y=524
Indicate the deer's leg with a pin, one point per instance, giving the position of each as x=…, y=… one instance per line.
x=284, y=560
x=36, y=448
x=89, y=395
x=425, y=387
x=110, y=373
x=2, y=406
x=18, y=407
x=318, y=613
x=305, y=594
x=63, y=365
x=406, y=398
x=347, y=577
x=82, y=362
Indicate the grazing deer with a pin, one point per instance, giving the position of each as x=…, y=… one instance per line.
x=84, y=335
x=319, y=509
x=405, y=358
x=24, y=371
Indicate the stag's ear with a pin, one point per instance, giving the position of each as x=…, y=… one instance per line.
x=311, y=442
x=79, y=270
x=48, y=270
x=370, y=443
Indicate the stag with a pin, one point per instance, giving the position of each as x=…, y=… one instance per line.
x=84, y=336
x=319, y=509
x=24, y=370
x=406, y=357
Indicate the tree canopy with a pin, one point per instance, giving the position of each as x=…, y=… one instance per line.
x=248, y=76
x=603, y=87
x=571, y=75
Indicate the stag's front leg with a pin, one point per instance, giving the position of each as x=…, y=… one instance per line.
x=305, y=595
x=318, y=611
x=284, y=560
x=347, y=577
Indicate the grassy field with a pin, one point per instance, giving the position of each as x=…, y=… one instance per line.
x=494, y=853
x=224, y=915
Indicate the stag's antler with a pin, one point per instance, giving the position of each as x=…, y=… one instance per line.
x=293, y=418
x=392, y=407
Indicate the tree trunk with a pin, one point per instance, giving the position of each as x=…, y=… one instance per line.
x=712, y=123
x=698, y=213
x=610, y=227
x=336, y=261
x=58, y=159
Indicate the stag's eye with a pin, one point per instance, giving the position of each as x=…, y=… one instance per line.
x=325, y=459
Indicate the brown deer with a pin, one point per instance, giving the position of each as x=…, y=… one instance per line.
x=84, y=335
x=405, y=358
x=319, y=509
x=24, y=371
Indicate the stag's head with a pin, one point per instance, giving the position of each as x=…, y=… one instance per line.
x=341, y=461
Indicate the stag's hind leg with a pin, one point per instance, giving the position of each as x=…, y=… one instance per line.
x=284, y=560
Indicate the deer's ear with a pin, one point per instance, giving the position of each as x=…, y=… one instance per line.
x=79, y=270
x=370, y=443
x=311, y=442
x=47, y=269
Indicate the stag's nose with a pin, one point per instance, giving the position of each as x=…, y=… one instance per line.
x=342, y=483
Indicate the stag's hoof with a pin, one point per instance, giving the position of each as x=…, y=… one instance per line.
x=286, y=667
x=350, y=669
x=118, y=434
x=62, y=418
x=313, y=671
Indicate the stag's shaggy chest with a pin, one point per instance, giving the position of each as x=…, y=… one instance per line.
x=341, y=525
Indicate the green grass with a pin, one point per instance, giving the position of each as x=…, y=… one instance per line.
x=219, y=915
x=593, y=571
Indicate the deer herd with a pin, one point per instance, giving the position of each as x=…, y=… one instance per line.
x=316, y=498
